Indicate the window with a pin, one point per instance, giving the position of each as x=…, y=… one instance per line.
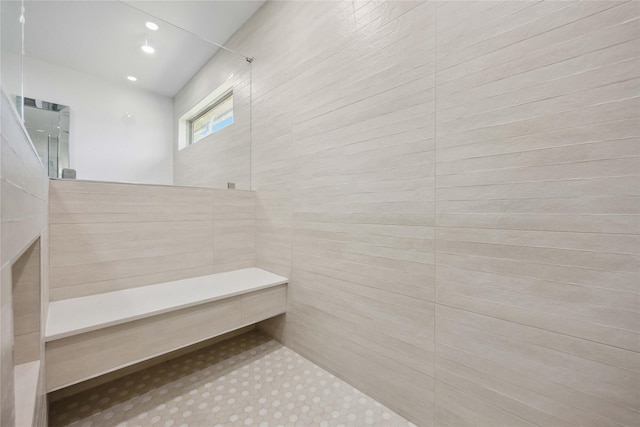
x=215, y=117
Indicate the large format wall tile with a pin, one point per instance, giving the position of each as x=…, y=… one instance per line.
x=537, y=250
x=272, y=180
x=234, y=231
x=224, y=156
x=24, y=189
x=23, y=218
x=361, y=303
x=105, y=237
x=269, y=37
x=27, y=311
x=453, y=189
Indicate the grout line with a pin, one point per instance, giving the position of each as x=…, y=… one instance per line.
x=435, y=216
x=564, y=41
x=517, y=322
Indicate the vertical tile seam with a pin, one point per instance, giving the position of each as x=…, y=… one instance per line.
x=435, y=210
x=255, y=224
x=291, y=166
x=251, y=142
x=255, y=195
x=213, y=230
x=48, y=225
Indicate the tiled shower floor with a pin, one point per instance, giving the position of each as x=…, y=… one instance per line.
x=249, y=380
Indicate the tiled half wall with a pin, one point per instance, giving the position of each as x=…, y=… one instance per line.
x=108, y=236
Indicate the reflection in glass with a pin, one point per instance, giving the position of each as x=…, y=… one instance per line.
x=11, y=46
x=48, y=127
x=80, y=54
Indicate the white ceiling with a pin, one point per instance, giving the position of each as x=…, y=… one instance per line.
x=104, y=37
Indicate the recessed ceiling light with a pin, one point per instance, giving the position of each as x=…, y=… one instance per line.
x=151, y=25
x=147, y=49
x=131, y=78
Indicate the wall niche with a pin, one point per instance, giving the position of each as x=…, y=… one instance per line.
x=26, y=298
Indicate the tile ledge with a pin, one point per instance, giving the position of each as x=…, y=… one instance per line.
x=26, y=389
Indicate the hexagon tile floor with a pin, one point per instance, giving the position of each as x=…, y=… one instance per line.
x=249, y=380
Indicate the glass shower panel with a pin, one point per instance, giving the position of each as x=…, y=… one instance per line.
x=53, y=162
x=11, y=38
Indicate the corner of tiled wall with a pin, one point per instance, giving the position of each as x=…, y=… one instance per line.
x=452, y=189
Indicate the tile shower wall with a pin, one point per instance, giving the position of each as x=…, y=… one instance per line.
x=26, y=295
x=23, y=218
x=221, y=157
x=537, y=184
x=453, y=189
x=363, y=212
x=108, y=236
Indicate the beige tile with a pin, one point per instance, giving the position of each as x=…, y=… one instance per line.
x=234, y=237
x=127, y=267
x=18, y=234
x=224, y=156
x=84, y=289
x=601, y=94
x=578, y=38
x=558, y=293
x=464, y=156
x=6, y=348
x=401, y=332
x=599, y=279
x=482, y=28
x=81, y=357
x=500, y=192
x=107, y=236
x=27, y=347
x=603, y=204
x=566, y=171
x=457, y=407
x=544, y=255
x=608, y=74
x=122, y=189
x=586, y=115
x=87, y=355
x=264, y=304
x=588, y=377
x=602, y=324
x=233, y=265
x=557, y=25
x=24, y=188
x=468, y=346
x=22, y=170
x=622, y=186
x=406, y=390
x=89, y=253
x=620, y=49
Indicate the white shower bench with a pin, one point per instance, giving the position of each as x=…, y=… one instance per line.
x=93, y=335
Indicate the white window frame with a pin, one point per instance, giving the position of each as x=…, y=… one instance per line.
x=210, y=107
x=206, y=104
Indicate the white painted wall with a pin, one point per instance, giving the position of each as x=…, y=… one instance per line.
x=103, y=146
